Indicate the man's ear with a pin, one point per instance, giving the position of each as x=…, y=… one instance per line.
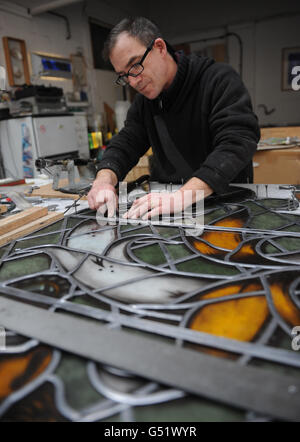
x=161, y=46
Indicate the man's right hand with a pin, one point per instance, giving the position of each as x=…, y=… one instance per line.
x=103, y=195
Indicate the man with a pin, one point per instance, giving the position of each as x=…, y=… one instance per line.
x=196, y=115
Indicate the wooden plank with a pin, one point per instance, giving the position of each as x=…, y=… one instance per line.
x=12, y=222
x=280, y=132
x=277, y=166
x=3, y=208
x=48, y=192
x=31, y=227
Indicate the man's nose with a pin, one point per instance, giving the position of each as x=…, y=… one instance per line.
x=134, y=81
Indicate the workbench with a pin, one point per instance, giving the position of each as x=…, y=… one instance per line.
x=148, y=322
x=281, y=163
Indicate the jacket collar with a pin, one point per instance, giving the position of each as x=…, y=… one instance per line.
x=168, y=96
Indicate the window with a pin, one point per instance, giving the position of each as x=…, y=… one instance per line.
x=99, y=34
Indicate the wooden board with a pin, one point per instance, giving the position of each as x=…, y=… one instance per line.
x=30, y=227
x=48, y=192
x=280, y=132
x=12, y=222
x=3, y=208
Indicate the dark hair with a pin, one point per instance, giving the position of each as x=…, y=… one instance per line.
x=139, y=27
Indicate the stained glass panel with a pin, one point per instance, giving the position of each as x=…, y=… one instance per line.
x=231, y=293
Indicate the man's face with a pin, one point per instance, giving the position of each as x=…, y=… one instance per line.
x=128, y=51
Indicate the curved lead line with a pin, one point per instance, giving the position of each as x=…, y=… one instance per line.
x=261, y=266
x=143, y=242
x=286, y=261
x=262, y=340
x=80, y=262
x=229, y=213
x=293, y=292
x=275, y=245
x=99, y=415
x=224, y=261
x=9, y=246
x=167, y=255
x=217, y=248
x=137, y=398
x=41, y=235
x=63, y=230
x=83, y=310
x=114, y=280
x=272, y=307
x=192, y=309
x=262, y=352
x=160, y=244
x=91, y=241
x=275, y=257
x=232, y=297
x=22, y=348
x=72, y=280
x=136, y=237
x=37, y=382
x=163, y=268
x=59, y=394
x=97, y=411
x=23, y=254
x=9, y=282
x=102, y=229
x=103, y=410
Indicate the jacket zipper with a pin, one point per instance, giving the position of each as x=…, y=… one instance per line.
x=160, y=103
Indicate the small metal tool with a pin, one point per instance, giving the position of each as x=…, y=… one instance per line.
x=19, y=200
x=54, y=168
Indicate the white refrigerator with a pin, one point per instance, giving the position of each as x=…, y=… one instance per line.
x=24, y=139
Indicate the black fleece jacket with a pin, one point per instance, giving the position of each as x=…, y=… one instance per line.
x=207, y=118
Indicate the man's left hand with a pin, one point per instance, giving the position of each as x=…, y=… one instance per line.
x=165, y=203
x=155, y=204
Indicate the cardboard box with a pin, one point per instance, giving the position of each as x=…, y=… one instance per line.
x=278, y=166
x=281, y=132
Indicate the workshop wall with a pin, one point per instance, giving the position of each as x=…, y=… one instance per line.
x=271, y=38
x=263, y=41
x=47, y=33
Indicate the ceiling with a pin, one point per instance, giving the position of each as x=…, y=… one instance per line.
x=189, y=16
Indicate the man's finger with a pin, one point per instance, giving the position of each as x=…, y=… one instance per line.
x=111, y=207
x=91, y=201
x=153, y=213
x=137, y=212
x=102, y=208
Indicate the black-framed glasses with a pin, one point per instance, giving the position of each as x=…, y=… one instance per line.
x=136, y=69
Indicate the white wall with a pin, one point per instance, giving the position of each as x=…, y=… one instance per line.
x=263, y=41
x=47, y=33
x=271, y=38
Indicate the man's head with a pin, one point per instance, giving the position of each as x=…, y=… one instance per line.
x=135, y=40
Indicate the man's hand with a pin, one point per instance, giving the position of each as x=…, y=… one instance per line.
x=103, y=195
x=155, y=204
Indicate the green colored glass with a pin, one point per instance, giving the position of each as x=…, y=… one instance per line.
x=151, y=254
x=24, y=266
x=200, y=265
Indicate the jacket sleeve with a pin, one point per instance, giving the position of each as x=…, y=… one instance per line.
x=126, y=148
x=233, y=127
